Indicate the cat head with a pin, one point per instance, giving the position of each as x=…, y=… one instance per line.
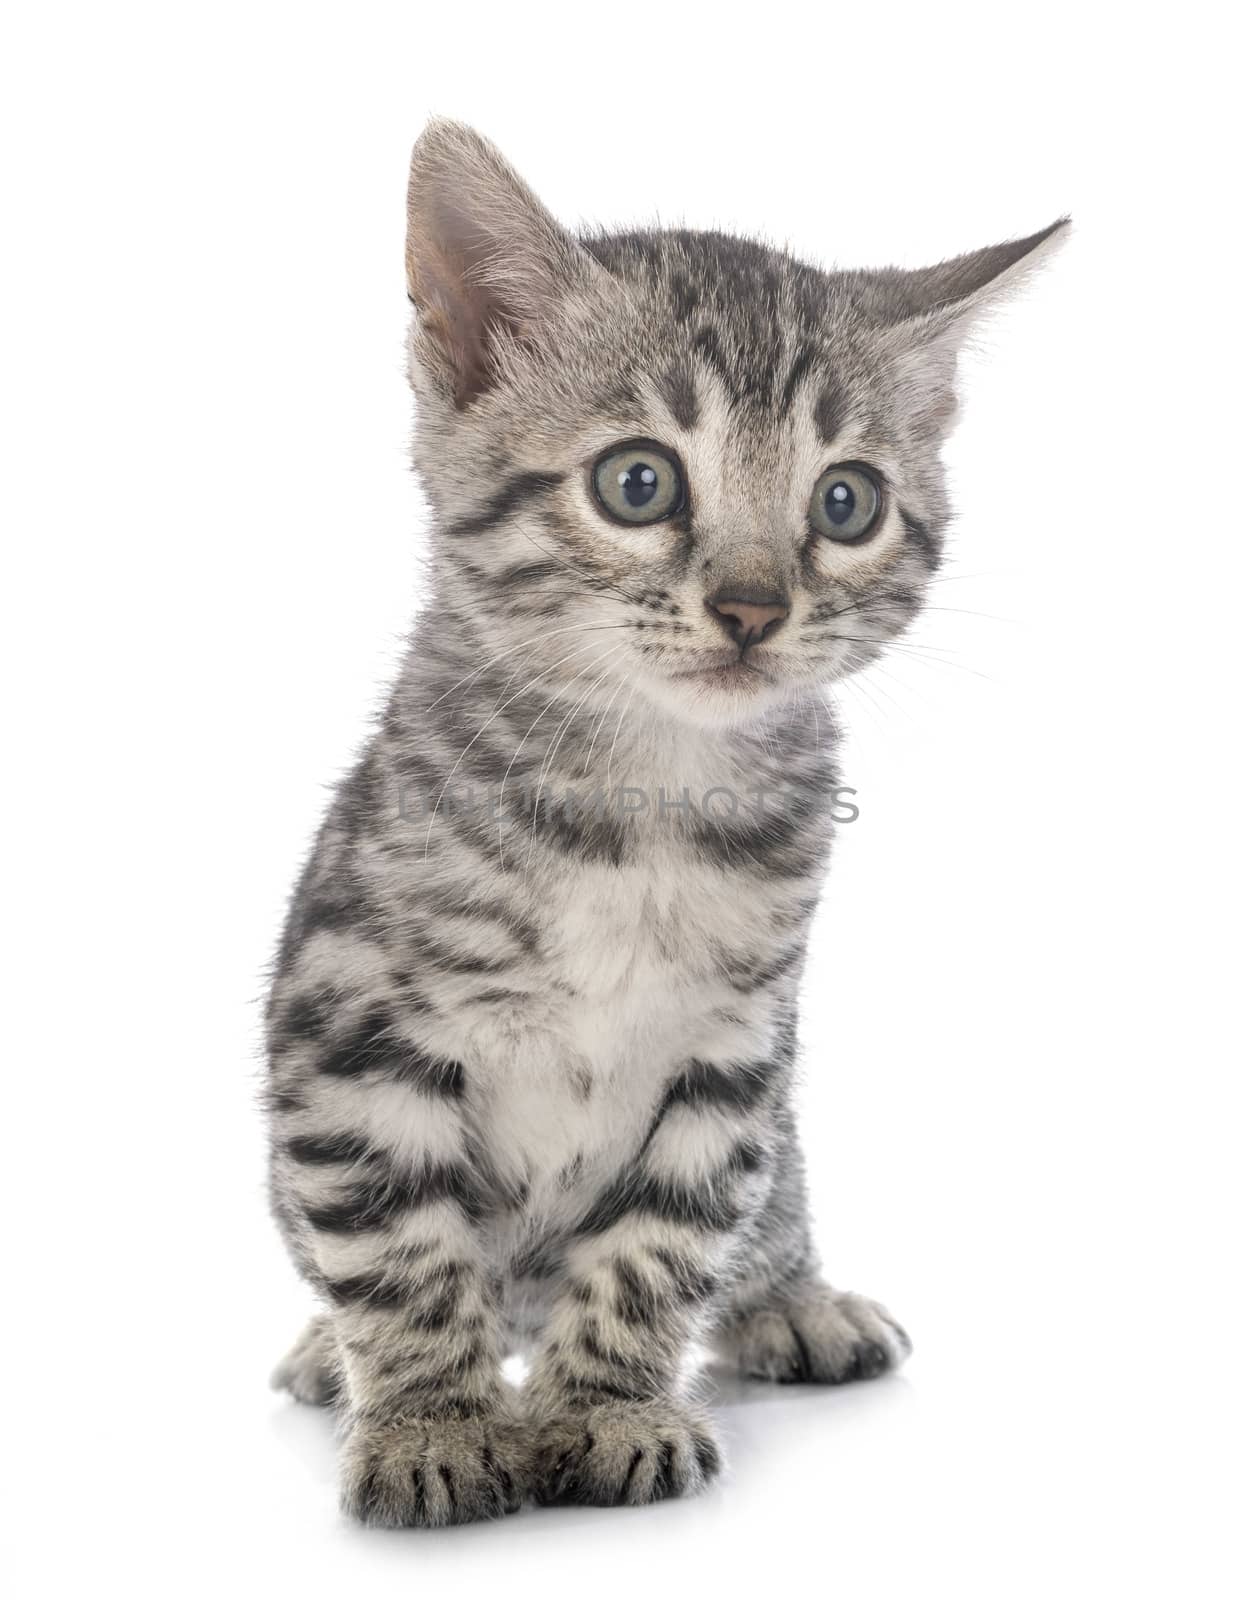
x=681, y=460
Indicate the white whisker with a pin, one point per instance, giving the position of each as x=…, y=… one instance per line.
x=588, y=644
x=555, y=744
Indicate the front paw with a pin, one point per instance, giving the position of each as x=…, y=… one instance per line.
x=625, y=1454
x=817, y=1336
x=426, y=1473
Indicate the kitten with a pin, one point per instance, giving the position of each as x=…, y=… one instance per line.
x=532, y=1027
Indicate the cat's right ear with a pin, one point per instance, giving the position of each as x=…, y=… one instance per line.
x=487, y=264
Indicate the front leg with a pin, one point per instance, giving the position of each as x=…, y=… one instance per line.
x=375, y=1183
x=431, y=1436
x=645, y=1267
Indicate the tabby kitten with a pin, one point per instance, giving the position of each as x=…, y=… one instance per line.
x=532, y=1027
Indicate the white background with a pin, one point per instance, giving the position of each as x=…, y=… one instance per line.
x=1023, y=1044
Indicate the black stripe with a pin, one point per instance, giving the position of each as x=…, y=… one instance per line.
x=313, y=1150
x=709, y=1207
x=524, y=572
x=431, y=1075
x=921, y=539
x=681, y=398
x=748, y=980
x=374, y=1287
x=827, y=414
x=341, y=904
x=373, y=1046
x=780, y=841
x=692, y=1283
x=799, y=370
x=738, y=1086
x=636, y=1302
x=457, y=905
x=376, y=1201
x=706, y=343
x=583, y=1390
x=684, y=297
x=435, y=1316
x=429, y=1396
x=573, y=831
x=370, y=1044
x=307, y=1016
x=632, y=1368
x=746, y=1156
x=513, y=494
x=544, y=1259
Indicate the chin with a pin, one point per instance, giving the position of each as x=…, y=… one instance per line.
x=720, y=696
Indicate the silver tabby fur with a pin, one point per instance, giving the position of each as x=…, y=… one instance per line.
x=531, y=1064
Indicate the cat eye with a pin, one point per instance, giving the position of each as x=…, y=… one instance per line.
x=638, y=483
x=846, y=502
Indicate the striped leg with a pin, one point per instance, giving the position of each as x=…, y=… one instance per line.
x=374, y=1183
x=606, y=1395
x=431, y=1438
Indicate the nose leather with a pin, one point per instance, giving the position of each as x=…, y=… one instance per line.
x=749, y=619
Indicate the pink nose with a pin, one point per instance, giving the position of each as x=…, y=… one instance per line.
x=748, y=621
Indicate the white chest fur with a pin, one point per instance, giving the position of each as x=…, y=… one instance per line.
x=632, y=981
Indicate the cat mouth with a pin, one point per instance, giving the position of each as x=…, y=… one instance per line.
x=737, y=673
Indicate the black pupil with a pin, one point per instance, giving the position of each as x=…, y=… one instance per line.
x=639, y=484
x=839, y=503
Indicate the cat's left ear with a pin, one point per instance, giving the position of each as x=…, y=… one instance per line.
x=931, y=311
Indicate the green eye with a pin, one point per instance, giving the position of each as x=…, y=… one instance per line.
x=638, y=483
x=846, y=503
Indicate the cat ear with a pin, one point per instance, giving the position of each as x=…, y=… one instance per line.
x=486, y=262
x=930, y=312
x=971, y=283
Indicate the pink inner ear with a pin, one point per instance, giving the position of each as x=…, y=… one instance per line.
x=456, y=313
x=485, y=260
x=459, y=310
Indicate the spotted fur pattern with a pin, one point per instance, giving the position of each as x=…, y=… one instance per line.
x=531, y=1064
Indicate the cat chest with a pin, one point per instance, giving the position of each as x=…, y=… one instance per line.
x=644, y=949
x=632, y=983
